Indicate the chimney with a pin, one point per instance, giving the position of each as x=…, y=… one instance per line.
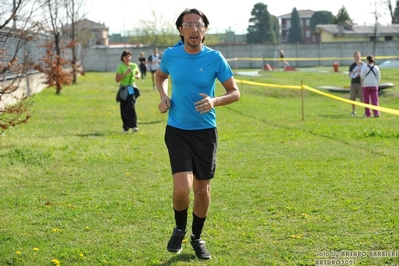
x=340, y=29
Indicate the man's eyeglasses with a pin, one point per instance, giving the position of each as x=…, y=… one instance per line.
x=198, y=25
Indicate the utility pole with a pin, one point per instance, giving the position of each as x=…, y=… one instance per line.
x=376, y=15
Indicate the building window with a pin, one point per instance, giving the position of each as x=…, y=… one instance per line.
x=388, y=38
x=288, y=24
x=307, y=34
x=307, y=22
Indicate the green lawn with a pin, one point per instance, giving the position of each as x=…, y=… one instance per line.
x=287, y=191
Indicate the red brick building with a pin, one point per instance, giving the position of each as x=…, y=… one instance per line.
x=305, y=16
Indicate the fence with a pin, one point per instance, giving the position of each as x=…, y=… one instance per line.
x=255, y=56
x=28, y=84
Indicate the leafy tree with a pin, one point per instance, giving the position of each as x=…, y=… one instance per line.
x=155, y=31
x=295, y=33
x=321, y=17
x=18, y=29
x=262, y=25
x=214, y=39
x=342, y=16
x=276, y=27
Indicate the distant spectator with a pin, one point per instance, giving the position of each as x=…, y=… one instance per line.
x=154, y=60
x=281, y=53
x=143, y=65
x=354, y=74
x=370, y=77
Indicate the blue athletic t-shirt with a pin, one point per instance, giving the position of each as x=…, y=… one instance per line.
x=192, y=74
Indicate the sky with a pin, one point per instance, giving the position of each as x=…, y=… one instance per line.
x=121, y=16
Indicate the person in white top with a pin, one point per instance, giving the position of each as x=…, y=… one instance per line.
x=356, y=70
x=370, y=77
x=154, y=60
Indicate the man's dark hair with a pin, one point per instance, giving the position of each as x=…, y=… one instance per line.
x=186, y=11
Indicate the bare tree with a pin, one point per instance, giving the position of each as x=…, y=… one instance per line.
x=53, y=63
x=395, y=17
x=375, y=39
x=18, y=30
x=377, y=15
x=74, y=11
x=393, y=10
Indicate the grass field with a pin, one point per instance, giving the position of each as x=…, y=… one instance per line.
x=324, y=189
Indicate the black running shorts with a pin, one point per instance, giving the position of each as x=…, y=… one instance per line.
x=192, y=151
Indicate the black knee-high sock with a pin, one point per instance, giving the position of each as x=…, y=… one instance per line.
x=198, y=224
x=181, y=219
